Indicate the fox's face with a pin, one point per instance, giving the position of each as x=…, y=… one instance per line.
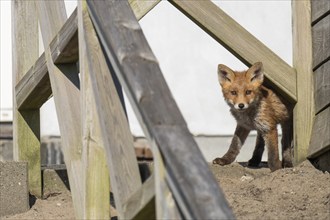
x=241, y=89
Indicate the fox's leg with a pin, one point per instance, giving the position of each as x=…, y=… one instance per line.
x=235, y=146
x=258, y=151
x=287, y=141
x=271, y=141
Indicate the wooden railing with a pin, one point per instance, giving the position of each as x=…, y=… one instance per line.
x=111, y=51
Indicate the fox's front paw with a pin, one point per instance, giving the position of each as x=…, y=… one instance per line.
x=221, y=161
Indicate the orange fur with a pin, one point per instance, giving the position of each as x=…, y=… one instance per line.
x=255, y=107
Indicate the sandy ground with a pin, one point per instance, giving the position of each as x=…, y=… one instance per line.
x=295, y=193
x=302, y=192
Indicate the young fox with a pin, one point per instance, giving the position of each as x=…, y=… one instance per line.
x=256, y=107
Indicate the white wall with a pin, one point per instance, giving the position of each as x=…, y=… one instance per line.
x=188, y=58
x=5, y=61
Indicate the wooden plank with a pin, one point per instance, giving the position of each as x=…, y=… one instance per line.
x=64, y=45
x=322, y=87
x=97, y=201
x=189, y=177
x=302, y=62
x=321, y=42
x=319, y=9
x=166, y=206
x=320, y=141
x=65, y=87
x=141, y=8
x=26, y=126
x=141, y=205
x=116, y=137
x=34, y=89
x=242, y=44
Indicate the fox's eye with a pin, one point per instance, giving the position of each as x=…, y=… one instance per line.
x=248, y=92
x=233, y=92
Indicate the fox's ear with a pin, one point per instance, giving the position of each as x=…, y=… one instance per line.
x=255, y=73
x=225, y=74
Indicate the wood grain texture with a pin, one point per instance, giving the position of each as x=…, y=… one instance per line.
x=141, y=205
x=320, y=141
x=65, y=87
x=34, y=89
x=126, y=48
x=302, y=62
x=26, y=126
x=322, y=87
x=321, y=42
x=64, y=45
x=141, y=8
x=166, y=205
x=114, y=129
x=242, y=44
x=319, y=9
x=97, y=187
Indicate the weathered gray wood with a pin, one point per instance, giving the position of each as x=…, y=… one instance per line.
x=320, y=141
x=97, y=188
x=241, y=44
x=302, y=62
x=166, y=205
x=321, y=42
x=322, y=87
x=65, y=87
x=141, y=205
x=114, y=129
x=26, y=126
x=34, y=89
x=319, y=9
x=141, y=8
x=189, y=177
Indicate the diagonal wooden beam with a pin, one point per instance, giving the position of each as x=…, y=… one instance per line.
x=26, y=124
x=240, y=43
x=33, y=90
x=105, y=121
x=65, y=87
x=189, y=177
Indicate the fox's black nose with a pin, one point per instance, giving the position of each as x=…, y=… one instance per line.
x=241, y=105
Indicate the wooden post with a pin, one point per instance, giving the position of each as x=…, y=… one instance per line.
x=65, y=87
x=114, y=131
x=97, y=194
x=302, y=62
x=26, y=122
x=187, y=173
x=165, y=203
